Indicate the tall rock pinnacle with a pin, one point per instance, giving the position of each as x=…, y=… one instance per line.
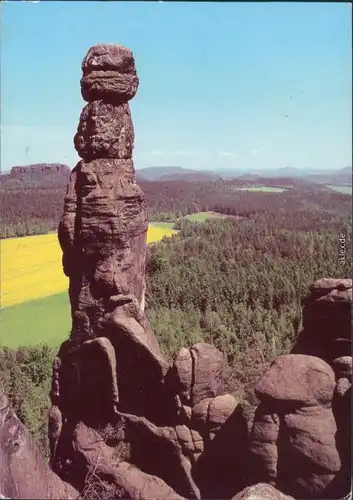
x=124, y=417
x=103, y=229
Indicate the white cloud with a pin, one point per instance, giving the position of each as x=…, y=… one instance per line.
x=228, y=153
x=188, y=153
x=254, y=152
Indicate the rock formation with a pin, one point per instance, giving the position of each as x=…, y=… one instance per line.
x=293, y=436
x=23, y=472
x=301, y=437
x=327, y=320
x=118, y=407
x=125, y=419
x=261, y=491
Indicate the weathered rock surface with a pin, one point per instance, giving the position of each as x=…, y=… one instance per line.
x=23, y=471
x=343, y=367
x=109, y=73
x=199, y=373
x=105, y=131
x=102, y=234
x=293, y=436
x=342, y=410
x=226, y=447
x=124, y=416
x=327, y=320
x=301, y=379
x=326, y=333
x=111, y=373
x=261, y=491
x=91, y=456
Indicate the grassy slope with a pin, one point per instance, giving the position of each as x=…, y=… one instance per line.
x=44, y=320
x=162, y=225
x=47, y=320
x=202, y=216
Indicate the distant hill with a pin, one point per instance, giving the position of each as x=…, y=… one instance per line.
x=336, y=177
x=174, y=173
x=38, y=174
x=248, y=177
x=342, y=177
x=57, y=174
x=287, y=172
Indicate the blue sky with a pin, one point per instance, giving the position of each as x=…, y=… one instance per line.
x=216, y=81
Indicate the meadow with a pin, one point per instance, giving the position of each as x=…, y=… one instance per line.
x=34, y=300
x=45, y=320
x=203, y=216
x=31, y=266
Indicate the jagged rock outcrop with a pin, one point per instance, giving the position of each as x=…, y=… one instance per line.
x=327, y=320
x=327, y=333
x=293, y=436
x=261, y=491
x=121, y=414
x=23, y=471
x=199, y=373
x=118, y=407
x=342, y=410
x=109, y=73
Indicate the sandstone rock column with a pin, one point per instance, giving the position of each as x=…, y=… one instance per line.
x=24, y=473
x=293, y=436
x=327, y=320
x=103, y=229
x=111, y=365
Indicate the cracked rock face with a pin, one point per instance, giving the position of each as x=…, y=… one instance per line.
x=327, y=317
x=109, y=73
x=20, y=462
x=199, y=373
x=110, y=373
x=103, y=228
x=293, y=439
x=261, y=491
x=105, y=131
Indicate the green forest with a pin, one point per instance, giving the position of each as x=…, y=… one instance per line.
x=235, y=282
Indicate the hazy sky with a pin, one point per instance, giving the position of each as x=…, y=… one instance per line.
x=216, y=81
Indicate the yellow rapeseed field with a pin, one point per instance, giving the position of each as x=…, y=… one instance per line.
x=156, y=233
x=30, y=267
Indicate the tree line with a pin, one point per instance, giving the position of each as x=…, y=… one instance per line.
x=28, y=208
x=235, y=282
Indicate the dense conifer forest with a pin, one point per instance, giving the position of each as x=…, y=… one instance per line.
x=236, y=282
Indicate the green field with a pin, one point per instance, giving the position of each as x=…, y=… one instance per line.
x=262, y=189
x=161, y=225
x=342, y=189
x=203, y=216
x=45, y=320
